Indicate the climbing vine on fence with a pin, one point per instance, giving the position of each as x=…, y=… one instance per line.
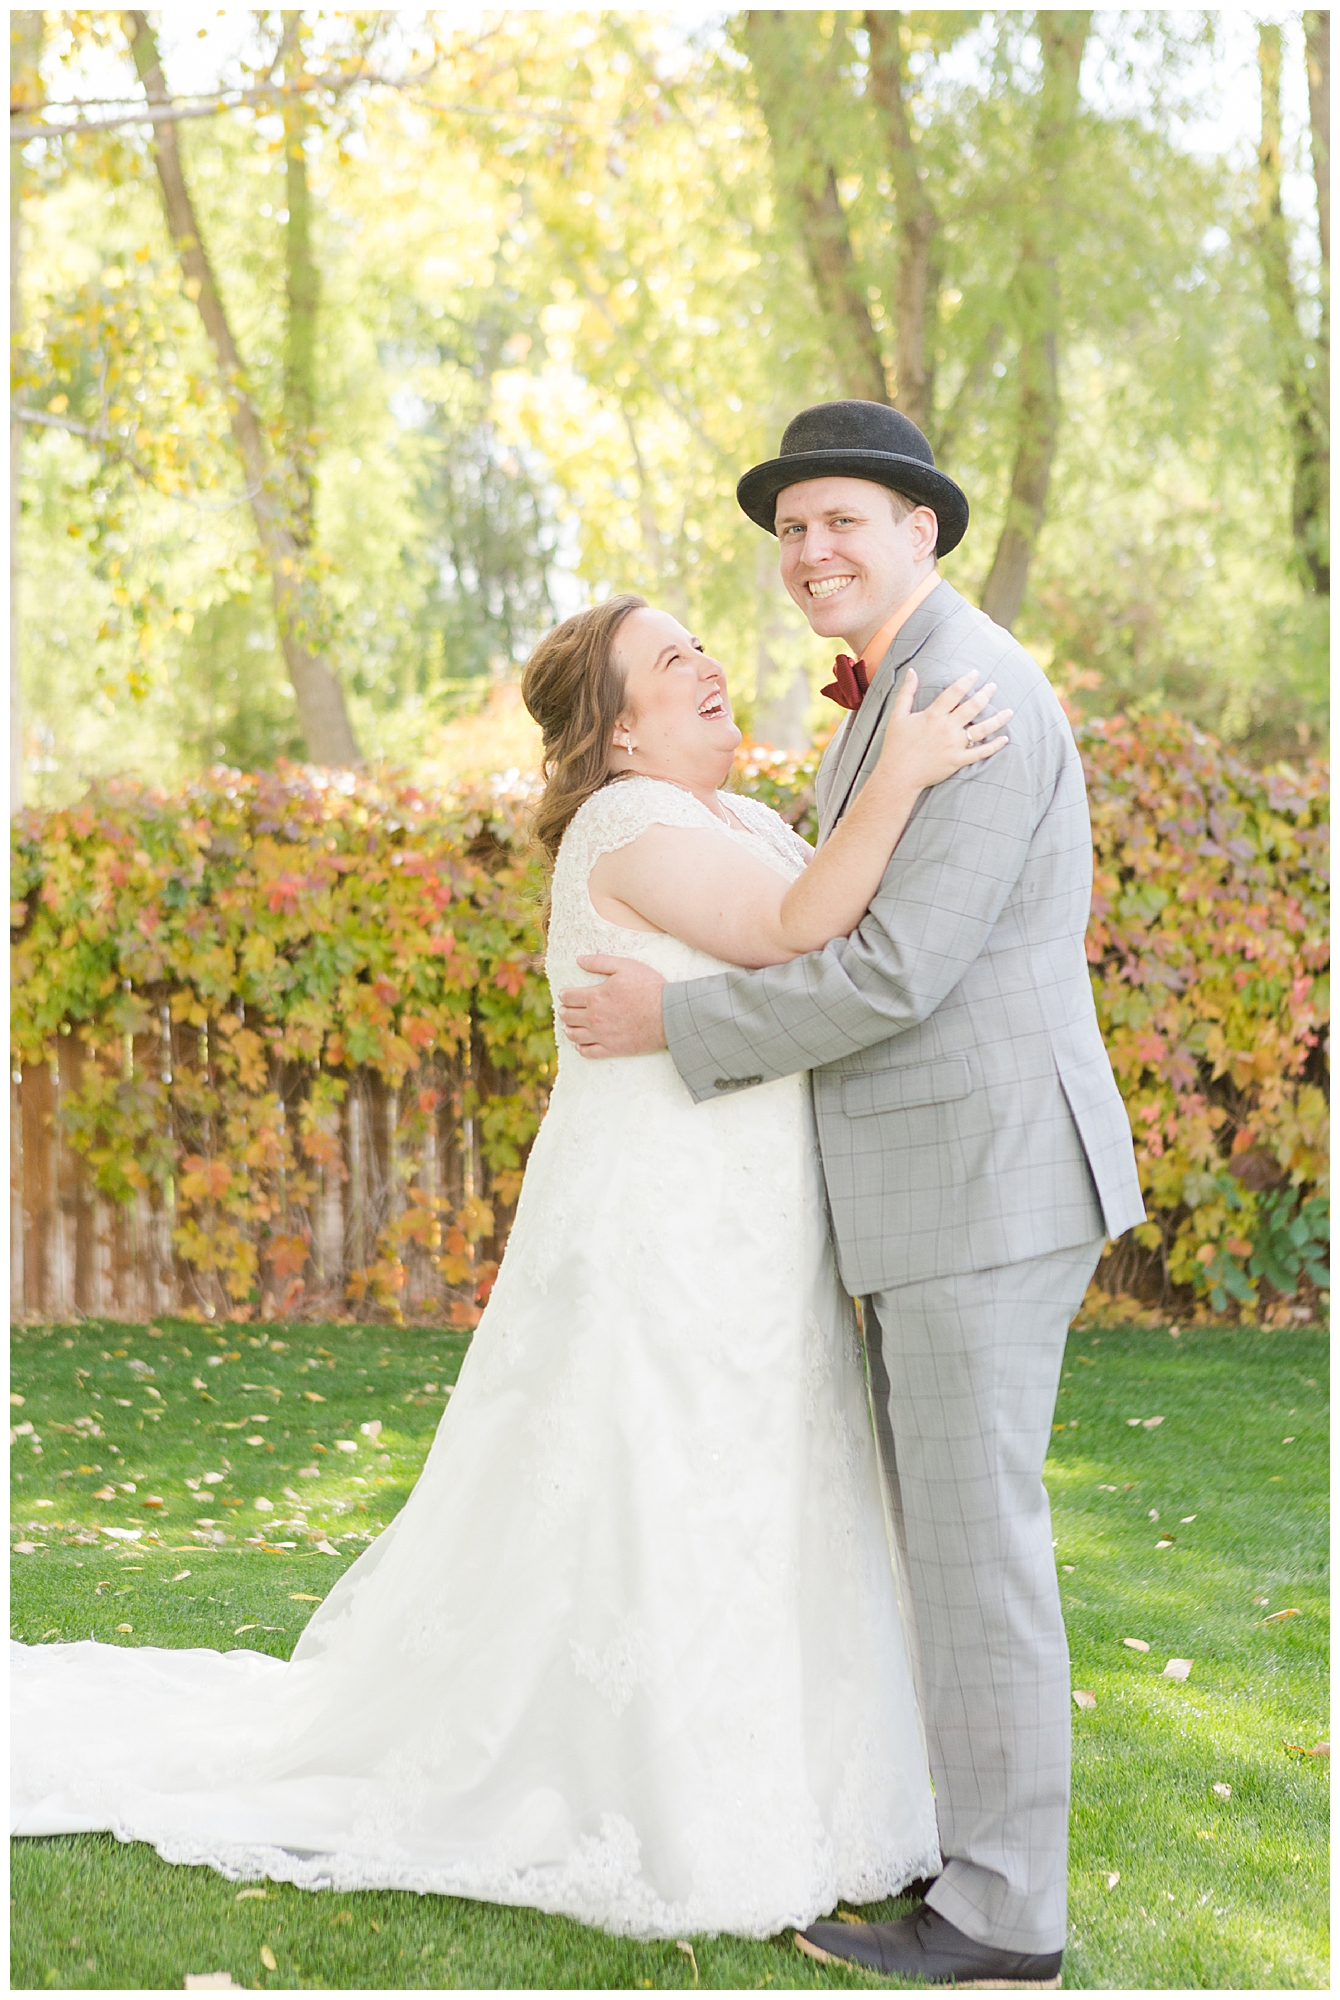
x=258, y=942
x=282, y=934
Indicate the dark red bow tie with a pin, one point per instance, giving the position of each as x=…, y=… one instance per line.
x=850, y=684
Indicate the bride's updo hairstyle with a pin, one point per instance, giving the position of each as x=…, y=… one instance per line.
x=574, y=691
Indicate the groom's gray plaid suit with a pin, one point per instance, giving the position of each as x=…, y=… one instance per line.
x=976, y=1152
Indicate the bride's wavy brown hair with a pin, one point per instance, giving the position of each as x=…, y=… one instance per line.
x=574, y=691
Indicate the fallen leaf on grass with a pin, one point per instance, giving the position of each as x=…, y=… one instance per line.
x=1317, y=1750
x=1177, y=1670
x=268, y=1959
x=372, y=1429
x=312, y=1396
x=25, y=1548
x=849, y=1917
x=105, y=1493
x=1165, y=1542
x=1187, y=1519
x=303, y=1597
x=682, y=1944
x=1292, y=1612
x=238, y=1629
x=125, y=1628
x=1151, y=1423
x=1114, y=1876
x=1083, y=1699
x=1137, y=1645
x=1222, y=1791
x=243, y=1895
x=181, y=1575
x=326, y=1549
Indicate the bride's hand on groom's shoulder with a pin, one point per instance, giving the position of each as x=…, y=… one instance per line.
x=923, y=747
x=621, y=1016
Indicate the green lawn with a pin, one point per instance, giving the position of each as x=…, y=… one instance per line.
x=1212, y=1891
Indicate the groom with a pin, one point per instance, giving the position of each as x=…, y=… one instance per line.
x=976, y=1153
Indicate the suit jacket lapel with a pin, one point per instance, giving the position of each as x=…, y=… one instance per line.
x=855, y=740
x=826, y=774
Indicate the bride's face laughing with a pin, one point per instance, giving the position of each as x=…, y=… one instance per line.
x=676, y=712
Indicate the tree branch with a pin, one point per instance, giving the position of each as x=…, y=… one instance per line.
x=170, y=110
x=794, y=111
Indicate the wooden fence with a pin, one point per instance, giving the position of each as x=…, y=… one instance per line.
x=77, y=1253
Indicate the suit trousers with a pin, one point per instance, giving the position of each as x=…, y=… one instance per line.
x=964, y=1372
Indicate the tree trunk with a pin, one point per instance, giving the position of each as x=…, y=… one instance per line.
x=796, y=112
x=1036, y=303
x=303, y=287
x=1300, y=361
x=783, y=696
x=320, y=698
x=1317, y=28
x=671, y=593
x=917, y=285
x=25, y=54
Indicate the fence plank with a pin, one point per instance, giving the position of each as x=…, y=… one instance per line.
x=80, y=1254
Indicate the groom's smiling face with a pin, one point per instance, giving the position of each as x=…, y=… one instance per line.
x=851, y=553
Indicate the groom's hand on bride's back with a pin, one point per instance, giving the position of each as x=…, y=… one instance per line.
x=621, y=1016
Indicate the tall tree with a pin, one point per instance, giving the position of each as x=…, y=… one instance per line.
x=1036, y=307
x=917, y=225
x=279, y=523
x=800, y=112
x=25, y=54
x=1301, y=357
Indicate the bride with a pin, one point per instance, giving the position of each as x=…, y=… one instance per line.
x=632, y=1650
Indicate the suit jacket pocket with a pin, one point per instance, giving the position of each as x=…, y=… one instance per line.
x=904, y=1089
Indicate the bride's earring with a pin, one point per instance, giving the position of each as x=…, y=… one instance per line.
x=627, y=744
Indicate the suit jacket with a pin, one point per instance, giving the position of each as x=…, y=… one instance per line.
x=966, y=1108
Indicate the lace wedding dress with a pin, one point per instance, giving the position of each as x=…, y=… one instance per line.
x=631, y=1651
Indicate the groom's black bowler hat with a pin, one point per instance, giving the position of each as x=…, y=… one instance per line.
x=860, y=441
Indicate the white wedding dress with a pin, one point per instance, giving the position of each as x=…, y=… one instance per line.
x=631, y=1651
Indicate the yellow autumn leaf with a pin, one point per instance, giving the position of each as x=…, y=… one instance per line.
x=268, y=1958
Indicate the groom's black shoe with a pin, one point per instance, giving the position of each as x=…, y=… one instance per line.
x=927, y=1947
